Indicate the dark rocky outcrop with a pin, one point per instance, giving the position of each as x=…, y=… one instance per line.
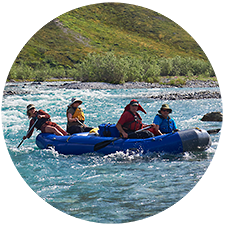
x=213, y=116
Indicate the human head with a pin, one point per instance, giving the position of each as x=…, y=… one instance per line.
x=134, y=104
x=29, y=108
x=75, y=101
x=165, y=109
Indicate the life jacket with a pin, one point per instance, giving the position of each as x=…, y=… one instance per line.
x=79, y=114
x=40, y=122
x=166, y=129
x=135, y=124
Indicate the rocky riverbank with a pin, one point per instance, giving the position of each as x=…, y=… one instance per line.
x=136, y=85
x=188, y=95
x=20, y=88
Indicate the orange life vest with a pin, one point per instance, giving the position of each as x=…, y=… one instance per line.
x=79, y=114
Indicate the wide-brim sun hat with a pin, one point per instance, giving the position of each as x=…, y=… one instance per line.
x=74, y=100
x=166, y=107
x=29, y=107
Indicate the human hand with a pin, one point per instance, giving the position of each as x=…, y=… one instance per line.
x=125, y=135
x=40, y=116
x=153, y=125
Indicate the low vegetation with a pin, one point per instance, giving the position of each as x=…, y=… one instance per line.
x=111, y=42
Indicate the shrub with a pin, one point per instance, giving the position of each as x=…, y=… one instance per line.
x=105, y=68
x=116, y=69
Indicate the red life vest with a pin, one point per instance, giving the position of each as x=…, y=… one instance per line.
x=41, y=121
x=135, y=124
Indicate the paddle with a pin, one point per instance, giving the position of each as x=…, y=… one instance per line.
x=107, y=142
x=213, y=131
x=80, y=123
x=28, y=132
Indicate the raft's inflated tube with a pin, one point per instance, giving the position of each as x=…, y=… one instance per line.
x=195, y=139
x=173, y=143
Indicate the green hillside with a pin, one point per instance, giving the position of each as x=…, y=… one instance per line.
x=127, y=30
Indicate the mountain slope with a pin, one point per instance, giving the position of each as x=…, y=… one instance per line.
x=124, y=29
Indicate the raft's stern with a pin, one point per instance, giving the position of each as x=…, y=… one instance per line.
x=195, y=139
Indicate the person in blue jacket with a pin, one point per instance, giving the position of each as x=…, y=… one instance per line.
x=163, y=122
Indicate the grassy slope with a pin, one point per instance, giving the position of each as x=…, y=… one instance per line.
x=122, y=28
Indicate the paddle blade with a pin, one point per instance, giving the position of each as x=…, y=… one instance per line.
x=103, y=144
x=213, y=131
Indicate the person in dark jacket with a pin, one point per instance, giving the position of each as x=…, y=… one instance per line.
x=43, y=123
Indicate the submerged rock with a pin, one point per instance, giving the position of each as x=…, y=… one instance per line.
x=213, y=116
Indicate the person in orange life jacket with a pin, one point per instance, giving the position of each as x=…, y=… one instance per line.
x=130, y=121
x=44, y=123
x=75, y=118
x=163, y=122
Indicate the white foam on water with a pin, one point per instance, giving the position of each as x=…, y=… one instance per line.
x=100, y=106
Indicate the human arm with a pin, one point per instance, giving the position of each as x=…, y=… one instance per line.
x=70, y=118
x=124, y=118
x=42, y=114
x=119, y=127
x=156, y=128
x=175, y=129
x=29, y=132
x=156, y=122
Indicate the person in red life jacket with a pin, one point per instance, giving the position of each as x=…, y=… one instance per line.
x=44, y=123
x=130, y=121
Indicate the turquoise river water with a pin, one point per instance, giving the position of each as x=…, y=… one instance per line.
x=116, y=188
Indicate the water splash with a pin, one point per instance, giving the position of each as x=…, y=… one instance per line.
x=119, y=187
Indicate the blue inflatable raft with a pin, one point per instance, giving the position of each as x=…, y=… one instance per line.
x=81, y=143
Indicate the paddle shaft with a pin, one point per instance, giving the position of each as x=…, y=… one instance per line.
x=213, y=131
x=107, y=142
x=28, y=133
x=147, y=127
x=80, y=122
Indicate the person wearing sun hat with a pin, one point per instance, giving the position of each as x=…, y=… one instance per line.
x=130, y=121
x=42, y=122
x=163, y=122
x=75, y=117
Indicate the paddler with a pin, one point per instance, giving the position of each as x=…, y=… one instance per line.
x=163, y=123
x=42, y=122
x=130, y=121
x=75, y=118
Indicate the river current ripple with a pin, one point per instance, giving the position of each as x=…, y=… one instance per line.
x=116, y=188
